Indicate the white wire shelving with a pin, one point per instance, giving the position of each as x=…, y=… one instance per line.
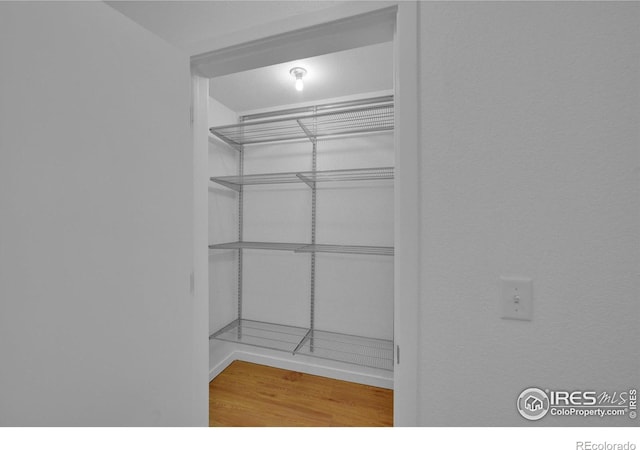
x=362, y=351
x=312, y=124
x=344, y=121
x=308, y=177
x=306, y=248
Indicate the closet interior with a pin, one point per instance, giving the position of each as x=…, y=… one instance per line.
x=301, y=225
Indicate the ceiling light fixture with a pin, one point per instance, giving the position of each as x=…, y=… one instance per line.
x=298, y=72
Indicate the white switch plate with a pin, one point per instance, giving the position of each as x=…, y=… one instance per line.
x=517, y=298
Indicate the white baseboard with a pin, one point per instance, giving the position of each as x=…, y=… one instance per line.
x=310, y=365
x=221, y=365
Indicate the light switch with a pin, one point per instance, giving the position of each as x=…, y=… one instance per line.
x=517, y=298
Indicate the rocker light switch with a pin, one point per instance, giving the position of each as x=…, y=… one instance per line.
x=517, y=298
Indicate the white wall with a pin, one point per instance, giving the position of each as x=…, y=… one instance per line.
x=97, y=324
x=530, y=115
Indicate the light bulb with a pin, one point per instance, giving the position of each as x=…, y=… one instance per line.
x=298, y=72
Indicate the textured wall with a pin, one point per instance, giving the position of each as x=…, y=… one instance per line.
x=97, y=325
x=530, y=140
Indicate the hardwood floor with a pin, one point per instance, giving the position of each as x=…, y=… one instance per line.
x=253, y=395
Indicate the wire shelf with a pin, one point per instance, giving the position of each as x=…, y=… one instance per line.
x=367, y=119
x=261, y=334
x=354, y=249
x=307, y=248
x=287, y=246
x=362, y=351
x=358, y=350
x=376, y=173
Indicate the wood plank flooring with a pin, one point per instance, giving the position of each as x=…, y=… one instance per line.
x=253, y=395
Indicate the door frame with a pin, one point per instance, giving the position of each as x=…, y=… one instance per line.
x=339, y=29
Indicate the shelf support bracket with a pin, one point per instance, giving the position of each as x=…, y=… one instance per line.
x=235, y=187
x=307, y=181
x=226, y=328
x=309, y=134
x=302, y=342
x=234, y=145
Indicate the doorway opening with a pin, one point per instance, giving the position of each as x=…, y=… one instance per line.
x=302, y=224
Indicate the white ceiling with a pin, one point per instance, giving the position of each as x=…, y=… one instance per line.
x=190, y=24
x=346, y=73
x=186, y=24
